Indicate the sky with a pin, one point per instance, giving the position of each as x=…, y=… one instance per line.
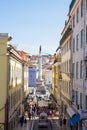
x=32, y=23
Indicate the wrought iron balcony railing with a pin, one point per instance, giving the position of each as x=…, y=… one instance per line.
x=67, y=33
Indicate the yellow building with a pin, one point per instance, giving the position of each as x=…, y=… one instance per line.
x=25, y=75
x=66, y=88
x=52, y=90
x=3, y=78
x=10, y=82
x=55, y=76
x=55, y=93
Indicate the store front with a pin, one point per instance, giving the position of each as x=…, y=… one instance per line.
x=74, y=118
x=83, y=117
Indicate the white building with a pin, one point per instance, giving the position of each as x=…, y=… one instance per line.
x=78, y=14
x=48, y=77
x=78, y=18
x=66, y=88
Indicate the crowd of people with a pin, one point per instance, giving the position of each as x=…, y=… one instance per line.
x=33, y=110
x=28, y=114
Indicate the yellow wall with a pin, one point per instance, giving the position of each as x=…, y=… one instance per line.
x=56, y=82
x=53, y=79
x=56, y=69
x=3, y=77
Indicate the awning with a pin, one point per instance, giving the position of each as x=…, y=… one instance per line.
x=75, y=119
x=65, y=77
x=70, y=111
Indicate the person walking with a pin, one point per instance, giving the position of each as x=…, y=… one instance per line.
x=33, y=116
x=60, y=121
x=22, y=120
x=25, y=120
x=29, y=115
x=64, y=121
x=25, y=117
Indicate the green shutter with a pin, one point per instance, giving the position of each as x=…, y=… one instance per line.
x=86, y=72
x=86, y=4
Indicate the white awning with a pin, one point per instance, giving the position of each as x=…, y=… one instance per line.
x=70, y=111
x=65, y=77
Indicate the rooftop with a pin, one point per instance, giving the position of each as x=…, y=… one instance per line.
x=71, y=4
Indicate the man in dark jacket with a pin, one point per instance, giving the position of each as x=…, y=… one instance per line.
x=22, y=120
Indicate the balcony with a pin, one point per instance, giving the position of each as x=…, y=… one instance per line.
x=67, y=33
x=71, y=5
x=85, y=59
x=55, y=61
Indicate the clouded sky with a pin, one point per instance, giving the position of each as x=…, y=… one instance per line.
x=32, y=23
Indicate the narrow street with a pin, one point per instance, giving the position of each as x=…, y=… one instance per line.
x=53, y=120
x=33, y=125
x=26, y=126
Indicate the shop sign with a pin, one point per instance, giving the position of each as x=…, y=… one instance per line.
x=83, y=114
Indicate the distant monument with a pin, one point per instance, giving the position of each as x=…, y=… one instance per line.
x=40, y=65
x=40, y=49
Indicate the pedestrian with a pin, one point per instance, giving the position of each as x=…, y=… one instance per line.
x=25, y=120
x=48, y=113
x=60, y=122
x=29, y=115
x=22, y=120
x=33, y=116
x=34, y=108
x=71, y=127
x=64, y=121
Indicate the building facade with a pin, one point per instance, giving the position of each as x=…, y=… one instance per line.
x=75, y=57
x=55, y=77
x=48, y=77
x=66, y=88
x=4, y=61
x=15, y=90
x=25, y=75
x=11, y=96
x=78, y=14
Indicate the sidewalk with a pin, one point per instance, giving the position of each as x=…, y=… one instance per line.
x=24, y=127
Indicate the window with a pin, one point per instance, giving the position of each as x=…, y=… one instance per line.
x=73, y=96
x=86, y=34
x=74, y=20
x=76, y=97
x=82, y=38
x=77, y=41
x=86, y=4
x=81, y=69
x=77, y=15
x=82, y=8
x=76, y=70
x=73, y=44
x=80, y=100
x=67, y=66
x=86, y=101
x=73, y=69
x=86, y=72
